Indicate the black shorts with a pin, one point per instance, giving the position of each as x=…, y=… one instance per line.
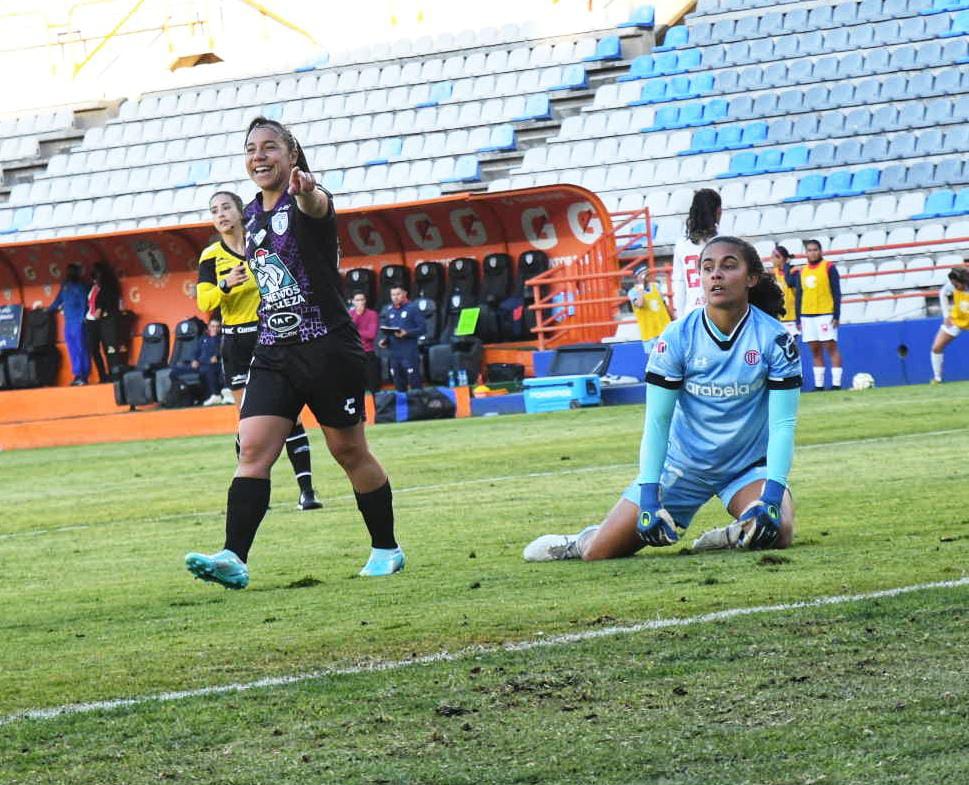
x=238, y=344
x=328, y=375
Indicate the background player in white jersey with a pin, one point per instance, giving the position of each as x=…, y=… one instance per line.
x=701, y=225
x=722, y=391
x=954, y=301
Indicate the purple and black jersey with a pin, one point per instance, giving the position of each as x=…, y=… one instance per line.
x=295, y=260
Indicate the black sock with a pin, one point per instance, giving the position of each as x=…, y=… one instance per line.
x=246, y=506
x=377, y=508
x=238, y=448
x=298, y=450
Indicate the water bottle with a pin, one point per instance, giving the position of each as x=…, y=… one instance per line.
x=451, y=379
x=462, y=377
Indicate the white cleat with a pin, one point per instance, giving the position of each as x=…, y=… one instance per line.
x=552, y=547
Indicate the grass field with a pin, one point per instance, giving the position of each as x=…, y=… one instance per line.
x=95, y=606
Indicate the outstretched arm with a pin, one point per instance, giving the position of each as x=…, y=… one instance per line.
x=311, y=200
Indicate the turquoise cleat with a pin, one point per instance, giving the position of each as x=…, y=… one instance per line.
x=224, y=568
x=383, y=561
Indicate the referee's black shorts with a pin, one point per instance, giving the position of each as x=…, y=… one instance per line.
x=238, y=344
x=328, y=375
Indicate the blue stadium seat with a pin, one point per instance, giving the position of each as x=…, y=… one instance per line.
x=796, y=20
x=786, y=47
x=790, y=101
x=607, y=48
x=737, y=52
x=821, y=155
x=893, y=178
x=800, y=72
x=652, y=92
x=537, y=107
x=691, y=115
x=704, y=140
x=857, y=121
x=836, y=184
x=729, y=138
x=835, y=40
x=919, y=175
x=793, y=158
x=901, y=146
x=741, y=164
x=333, y=180
x=745, y=28
x=574, y=77
x=875, y=148
x=819, y=17
x=751, y=77
x=842, y=94
x=938, y=111
x=761, y=49
x=893, y=88
x=867, y=91
x=389, y=148
x=911, y=28
x=727, y=81
x=701, y=34
x=929, y=142
x=913, y=115
x=831, y=124
x=740, y=107
x=816, y=97
x=714, y=56
x=775, y=75
x=769, y=162
x=780, y=131
x=466, y=170
x=641, y=67
x=675, y=38
x=765, y=105
x=689, y=59
x=805, y=127
x=919, y=85
x=810, y=187
x=679, y=88
x=937, y=204
x=946, y=82
x=947, y=172
x=847, y=152
x=844, y=14
x=702, y=84
x=852, y=64
x=825, y=68
x=885, y=33
x=810, y=43
x=863, y=181
x=960, y=205
x=667, y=63
x=903, y=58
x=715, y=111
x=440, y=91
x=772, y=24
x=877, y=61
x=960, y=25
x=666, y=117
x=755, y=133
x=642, y=18
x=892, y=9
x=960, y=109
x=869, y=11
x=502, y=139
x=956, y=139
x=956, y=51
x=723, y=30
x=884, y=118
x=928, y=54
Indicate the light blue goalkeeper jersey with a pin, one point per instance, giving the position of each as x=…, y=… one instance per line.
x=720, y=422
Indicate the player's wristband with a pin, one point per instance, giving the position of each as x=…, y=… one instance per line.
x=773, y=492
x=649, y=494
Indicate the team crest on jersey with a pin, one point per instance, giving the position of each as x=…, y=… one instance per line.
x=752, y=357
x=660, y=347
x=280, y=223
x=788, y=344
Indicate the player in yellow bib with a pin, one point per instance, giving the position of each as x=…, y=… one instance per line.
x=648, y=307
x=817, y=302
x=954, y=300
x=225, y=282
x=786, y=279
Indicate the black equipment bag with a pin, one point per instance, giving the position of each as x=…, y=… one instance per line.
x=34, y=368
x=429, y=403
x=39, y=330
x=385, y=406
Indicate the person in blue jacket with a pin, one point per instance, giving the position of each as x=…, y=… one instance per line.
x=72, y=300
x=403, y=325
x=722, y=392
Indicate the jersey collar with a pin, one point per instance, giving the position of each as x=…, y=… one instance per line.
x=724, y=342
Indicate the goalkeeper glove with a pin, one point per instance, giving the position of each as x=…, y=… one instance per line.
x=762, y=522
x=655, y=526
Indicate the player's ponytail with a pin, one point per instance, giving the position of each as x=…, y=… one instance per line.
x=285, y=134
x=765, y=294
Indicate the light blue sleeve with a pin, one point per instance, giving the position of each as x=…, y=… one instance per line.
x=660, y=402
x=781, y=422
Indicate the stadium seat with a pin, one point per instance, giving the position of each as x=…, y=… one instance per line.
x=956, y=139
x=607, y=48
x=793, y=158
x=809, y=187
x=741, y=164
x=740, y=107
x=676, y=37
x=832, y=124
x=937, y=204
x=847, y=152
x=537, y=107
x=729, y=138
x=642, y=18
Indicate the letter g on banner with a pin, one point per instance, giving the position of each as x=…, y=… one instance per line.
x=538, y=228
x=584, y=222
x=366, y=237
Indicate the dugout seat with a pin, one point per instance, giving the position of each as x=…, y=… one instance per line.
x=137, y=386
x=360, y=280
x=188, y=333
x=37, y=362
x=462, y=292
x=392, y=275
x=495, y=289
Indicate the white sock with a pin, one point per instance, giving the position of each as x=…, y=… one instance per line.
x=835, y=376
x=937, y=365
x=819, y=377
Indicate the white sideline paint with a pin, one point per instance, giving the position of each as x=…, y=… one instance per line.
x=446, y=656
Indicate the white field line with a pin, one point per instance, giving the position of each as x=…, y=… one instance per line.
x=474, y=651
x=501, y=478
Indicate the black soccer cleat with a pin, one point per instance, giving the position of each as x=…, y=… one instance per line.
x=308, y=500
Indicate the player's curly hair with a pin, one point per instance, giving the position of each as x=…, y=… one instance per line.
x=701, y=223
x=285, y=134
x=765, y=294
x=233, y=196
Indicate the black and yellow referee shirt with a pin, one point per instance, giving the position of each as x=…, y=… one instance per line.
x=240, y=303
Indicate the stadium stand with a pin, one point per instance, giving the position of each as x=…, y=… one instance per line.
x=846, y=121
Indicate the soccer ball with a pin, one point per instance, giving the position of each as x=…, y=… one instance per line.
x=862, y=381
